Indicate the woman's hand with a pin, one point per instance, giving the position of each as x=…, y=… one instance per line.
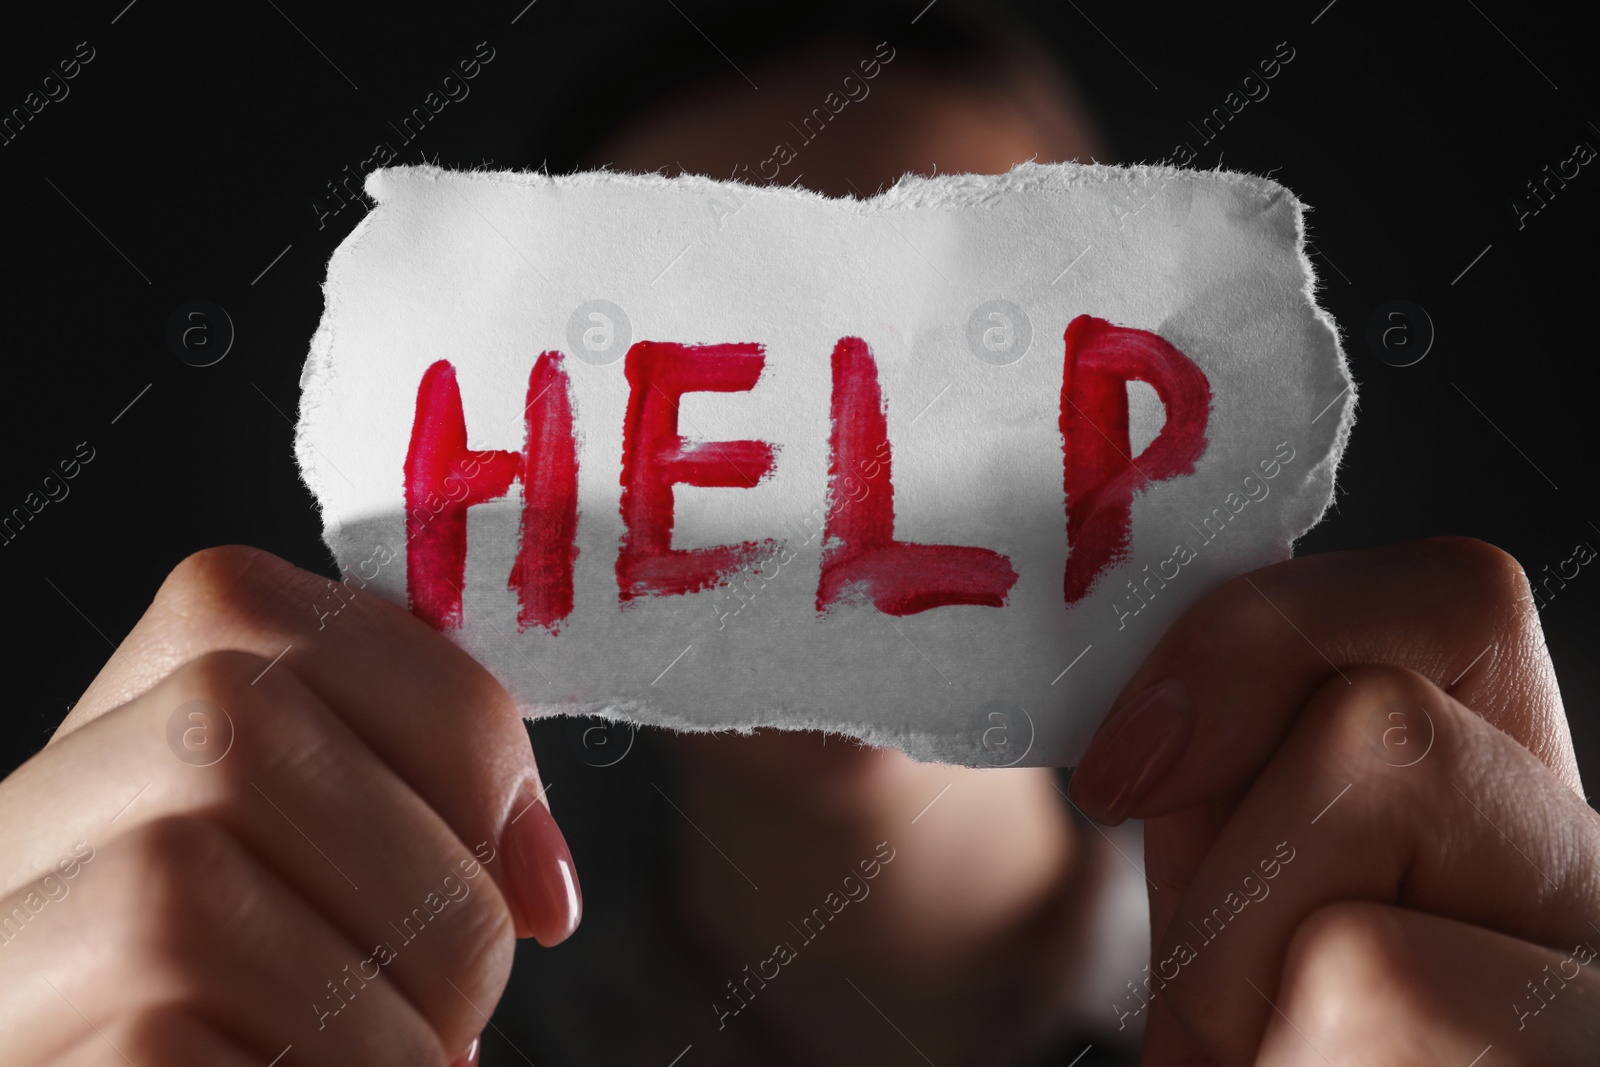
x=1364, y=825
x=266, y=826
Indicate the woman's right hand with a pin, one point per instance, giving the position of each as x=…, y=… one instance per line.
x=270, y=830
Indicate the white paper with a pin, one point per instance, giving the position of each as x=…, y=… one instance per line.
x=961, y=289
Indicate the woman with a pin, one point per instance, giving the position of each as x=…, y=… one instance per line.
x=252, y=839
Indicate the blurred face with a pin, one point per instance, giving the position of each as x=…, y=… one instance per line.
x=845, y=120
x=882, y=116
x=792, y=804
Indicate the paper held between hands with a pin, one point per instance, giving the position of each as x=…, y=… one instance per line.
x=934, y=469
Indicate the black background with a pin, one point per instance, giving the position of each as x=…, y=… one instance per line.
x=189, y=152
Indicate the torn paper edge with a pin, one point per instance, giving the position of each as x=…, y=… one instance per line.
x=952, y=191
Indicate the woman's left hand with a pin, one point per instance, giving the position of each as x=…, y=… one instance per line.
x=1365, y=831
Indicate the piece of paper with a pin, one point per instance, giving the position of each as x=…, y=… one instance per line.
x=933, y=469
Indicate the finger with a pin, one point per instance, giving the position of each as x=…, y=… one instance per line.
x=1373, y=984
x=178, y=914
x=1209, y=706
x=423, y=705
x=165, y=1035
x=1213, y=701
x=301, y=792
x=1473, y=828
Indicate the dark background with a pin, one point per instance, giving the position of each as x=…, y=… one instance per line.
x=190, y=149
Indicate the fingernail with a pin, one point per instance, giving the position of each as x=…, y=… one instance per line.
x=544, y=882
x=1132, y=750
x=469, y=1058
